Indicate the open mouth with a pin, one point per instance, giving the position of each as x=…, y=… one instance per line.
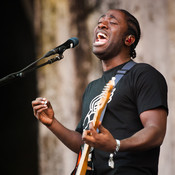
x=101, y=39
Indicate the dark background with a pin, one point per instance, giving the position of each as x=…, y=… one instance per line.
x=19, y=130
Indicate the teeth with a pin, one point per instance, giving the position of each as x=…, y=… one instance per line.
x=101, y=35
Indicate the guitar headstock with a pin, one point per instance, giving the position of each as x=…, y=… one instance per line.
x=106, y=93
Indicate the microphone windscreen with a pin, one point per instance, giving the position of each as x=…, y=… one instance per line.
x=75, y=41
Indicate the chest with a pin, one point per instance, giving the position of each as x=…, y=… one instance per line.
x=121, y=108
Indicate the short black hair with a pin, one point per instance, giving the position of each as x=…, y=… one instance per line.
x=133, y=29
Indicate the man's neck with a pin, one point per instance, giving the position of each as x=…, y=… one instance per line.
x=111, y=63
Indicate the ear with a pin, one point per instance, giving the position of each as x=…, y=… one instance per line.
x=130, y=39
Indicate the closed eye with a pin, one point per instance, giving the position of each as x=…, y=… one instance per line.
x=114, y=23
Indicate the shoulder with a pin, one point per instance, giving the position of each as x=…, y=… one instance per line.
x=150, y=87
x=94, y=86
x=144, y=78
x=93, y=83
x=144, y=67
x=144, y=70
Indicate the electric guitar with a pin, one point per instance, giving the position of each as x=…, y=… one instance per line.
x=82, y=161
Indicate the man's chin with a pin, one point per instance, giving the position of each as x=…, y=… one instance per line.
x=101, y=55
x=98, y=53
x=99, y=50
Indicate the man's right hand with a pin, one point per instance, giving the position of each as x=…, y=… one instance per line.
x=43, y=111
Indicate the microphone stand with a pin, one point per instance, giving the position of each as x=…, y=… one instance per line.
x=20, y=74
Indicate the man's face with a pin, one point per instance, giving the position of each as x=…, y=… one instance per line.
x=108, y=35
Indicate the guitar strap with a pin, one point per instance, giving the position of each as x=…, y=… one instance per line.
x=120, y=73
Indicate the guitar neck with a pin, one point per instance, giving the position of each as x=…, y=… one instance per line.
x=82, y=167
x=83, y=161
x=97, y=117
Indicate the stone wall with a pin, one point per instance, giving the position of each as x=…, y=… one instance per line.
x=63, y=84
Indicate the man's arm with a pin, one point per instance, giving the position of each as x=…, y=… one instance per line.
x=70, y=138
x=152, y=135
x=45, y=114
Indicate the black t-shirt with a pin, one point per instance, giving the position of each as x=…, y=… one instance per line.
x=141, y=89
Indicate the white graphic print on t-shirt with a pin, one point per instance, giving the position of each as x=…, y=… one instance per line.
x=93, y=108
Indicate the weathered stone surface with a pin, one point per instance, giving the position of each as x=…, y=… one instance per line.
x=63, y=82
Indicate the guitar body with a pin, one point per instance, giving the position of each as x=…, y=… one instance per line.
x=82, y=161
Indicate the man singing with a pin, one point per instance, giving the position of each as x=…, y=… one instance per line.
x=134, y=123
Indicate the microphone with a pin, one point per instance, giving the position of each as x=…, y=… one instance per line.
x=70, y=43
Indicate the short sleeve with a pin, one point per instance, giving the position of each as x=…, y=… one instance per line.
x=151, y=90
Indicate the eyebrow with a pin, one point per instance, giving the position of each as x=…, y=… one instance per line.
x=111, y=16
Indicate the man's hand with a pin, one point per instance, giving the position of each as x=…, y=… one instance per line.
x=102, y=140
x=43, y=111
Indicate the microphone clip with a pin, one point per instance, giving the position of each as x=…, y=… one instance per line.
x=57, y=58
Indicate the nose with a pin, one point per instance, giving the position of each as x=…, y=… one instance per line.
x=103, y=25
